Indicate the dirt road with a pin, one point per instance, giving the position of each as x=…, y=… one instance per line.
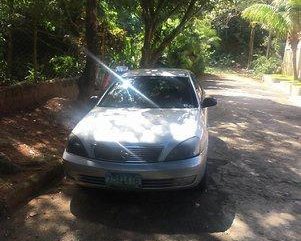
x=254, y=187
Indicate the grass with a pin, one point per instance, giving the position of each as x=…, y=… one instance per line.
x=249, y=73
x=231, y=70
x=287, y=78
x=283, y=77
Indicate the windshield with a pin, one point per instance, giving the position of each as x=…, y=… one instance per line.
x=151, y=92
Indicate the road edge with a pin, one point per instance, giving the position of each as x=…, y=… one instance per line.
x=31, y=187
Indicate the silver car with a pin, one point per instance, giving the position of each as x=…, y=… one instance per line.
x=147, y=132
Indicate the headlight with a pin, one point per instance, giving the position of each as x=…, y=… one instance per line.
x=75, y=146
x=186, y=149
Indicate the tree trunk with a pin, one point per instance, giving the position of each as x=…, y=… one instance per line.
x=146, y=57
x=35, y=51
x=10, y=39
x=132, y=47
x=152, y=50
x=294, y=40
x=269, y=44
x=102, y=45
x=87, y=80
x=10, y=53
x=251, y=46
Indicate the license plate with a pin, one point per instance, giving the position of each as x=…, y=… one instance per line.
x=128, y=181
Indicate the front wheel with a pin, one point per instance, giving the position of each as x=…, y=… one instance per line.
x=202, y=186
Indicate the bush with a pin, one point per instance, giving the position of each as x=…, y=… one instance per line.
x=192, y=49
x=198, y=66
x=3, y=72
x=224, y=61
x=33, y=76
x=65, y=66
x=264, y=65
x=181, y=57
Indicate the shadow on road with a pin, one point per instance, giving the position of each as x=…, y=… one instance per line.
x=173, y=212
x=256, y=181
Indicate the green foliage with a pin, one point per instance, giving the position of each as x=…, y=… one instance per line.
x=264, y=65
x=267, y=16
x=123, y=32
x=234, y=33
x=277, y=46
x=192, y=49
x=213, y=37
x=163, y=21
x=281, y=16
x=3, y=72
x=33, y=76
x=3, y=65
x=65, y=66
x=224, y=61
x=59, y=28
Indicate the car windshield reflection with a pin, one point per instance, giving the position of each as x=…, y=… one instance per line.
x=151, y=92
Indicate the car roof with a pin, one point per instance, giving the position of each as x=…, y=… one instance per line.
x=158, y=72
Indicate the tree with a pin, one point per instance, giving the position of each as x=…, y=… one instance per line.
x=251, y=44
x=10, y=5
x=28, y=18
x=37, y=10
x=8, y=18
x=193, y=48
x=282, y=17
x=157, y=12
x=89, y=76
x=121, y=32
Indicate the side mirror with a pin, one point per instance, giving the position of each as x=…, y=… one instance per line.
x=208, y=102
x=93, y=101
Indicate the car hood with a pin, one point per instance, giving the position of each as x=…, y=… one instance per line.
x=139, y=125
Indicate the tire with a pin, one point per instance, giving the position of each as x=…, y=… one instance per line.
x=202, y=186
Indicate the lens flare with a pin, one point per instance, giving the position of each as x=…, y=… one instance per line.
x=127, y=85
x=120, y=78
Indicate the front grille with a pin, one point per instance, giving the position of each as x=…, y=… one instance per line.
x=149, y=183
x=92, y=180
x=146, y=183
x=127, y=153
x=172, y=182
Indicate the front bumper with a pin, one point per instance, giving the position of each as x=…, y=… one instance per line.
x=155, y=176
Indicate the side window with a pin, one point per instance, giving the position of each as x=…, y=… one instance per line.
x=198, y=86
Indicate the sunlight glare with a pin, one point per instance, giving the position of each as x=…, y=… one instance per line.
x=126, y=84
x=120, y=78
x=184, y=130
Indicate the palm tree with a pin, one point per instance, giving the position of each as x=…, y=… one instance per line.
x=282, y=17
